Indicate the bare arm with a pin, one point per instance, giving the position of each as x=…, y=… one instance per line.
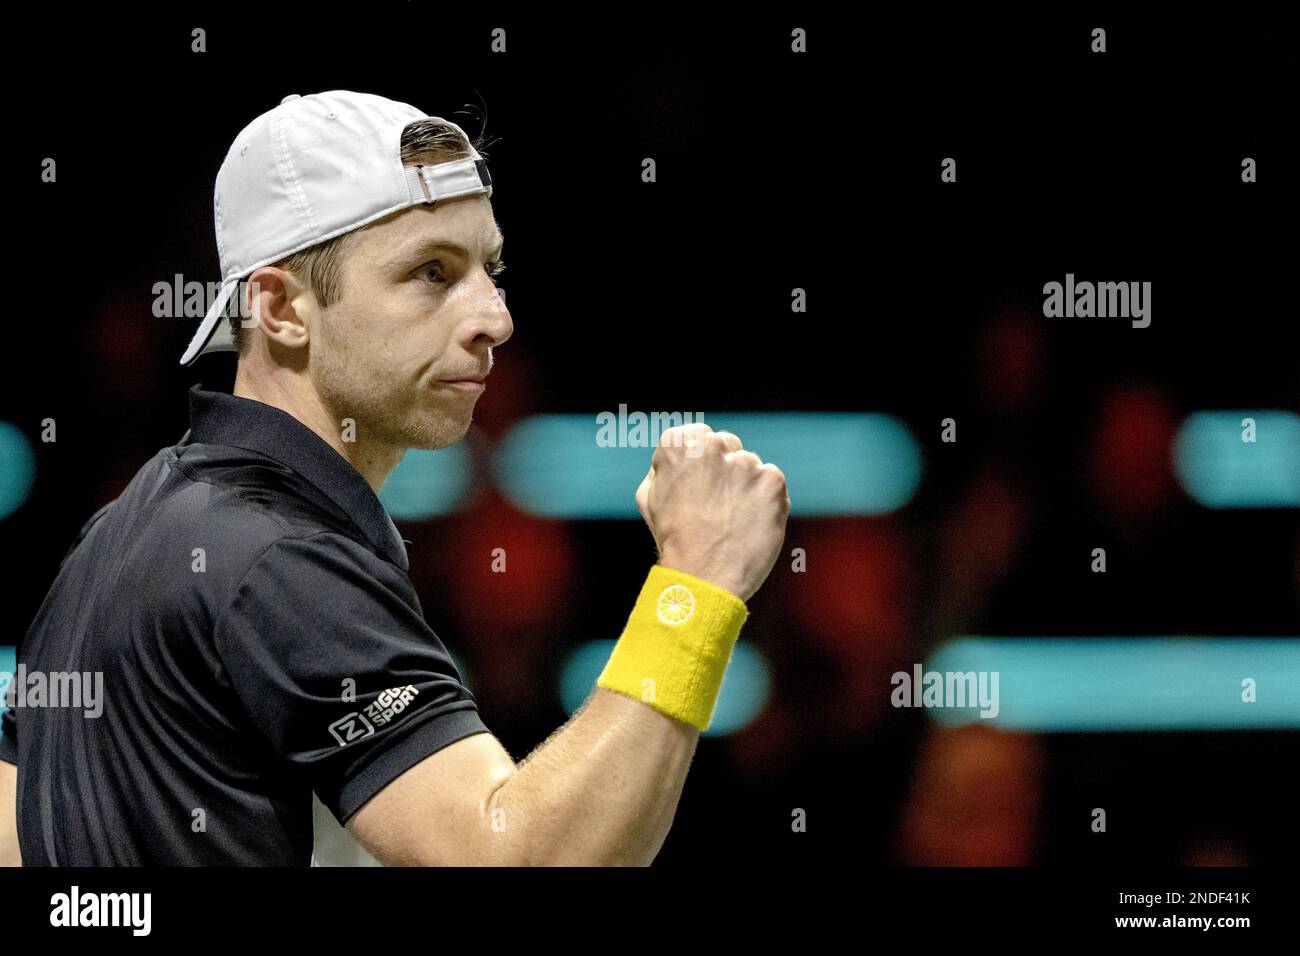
x=601, y=790
x=604, y=789
x=9, y=854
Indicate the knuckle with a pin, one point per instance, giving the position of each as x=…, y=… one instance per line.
x=670, y=436
x=689, y=437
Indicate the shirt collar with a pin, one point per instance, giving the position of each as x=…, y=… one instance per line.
x=219, y=418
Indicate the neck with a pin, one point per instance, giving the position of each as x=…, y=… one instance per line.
x=375, y=460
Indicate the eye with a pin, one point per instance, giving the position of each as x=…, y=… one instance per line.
x=434, y=269
x=495, y=269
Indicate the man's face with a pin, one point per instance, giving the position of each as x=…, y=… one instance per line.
x=418, y=311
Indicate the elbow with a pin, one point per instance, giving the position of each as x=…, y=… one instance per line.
x=503, y=842
x=516, y=832
x=513, y=842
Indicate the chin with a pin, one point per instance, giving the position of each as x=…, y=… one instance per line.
x=438, y=432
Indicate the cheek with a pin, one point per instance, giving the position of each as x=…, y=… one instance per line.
x=417, y=323
x=375, y=321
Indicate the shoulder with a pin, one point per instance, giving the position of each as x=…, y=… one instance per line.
x=199, y=524
x=325, y=576
x=243, y=487
x=253, y=506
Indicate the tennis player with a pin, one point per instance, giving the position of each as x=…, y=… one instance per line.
x=246, y=602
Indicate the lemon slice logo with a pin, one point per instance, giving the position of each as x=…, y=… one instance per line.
x=676, y=605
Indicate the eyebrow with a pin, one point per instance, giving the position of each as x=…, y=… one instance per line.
x=423, y=247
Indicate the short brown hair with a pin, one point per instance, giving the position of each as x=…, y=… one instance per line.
x=425, y=142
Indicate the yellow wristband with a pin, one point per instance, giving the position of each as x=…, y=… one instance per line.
x=676, y=645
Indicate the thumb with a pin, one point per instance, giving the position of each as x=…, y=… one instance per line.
x=643, y=497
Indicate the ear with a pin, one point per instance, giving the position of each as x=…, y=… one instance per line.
x=281, y=306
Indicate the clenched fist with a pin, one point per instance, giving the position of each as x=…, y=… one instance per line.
x=716, y=511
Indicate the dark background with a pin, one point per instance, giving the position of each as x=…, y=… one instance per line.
x=774, y=171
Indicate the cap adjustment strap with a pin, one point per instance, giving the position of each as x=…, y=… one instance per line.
x=464, y=177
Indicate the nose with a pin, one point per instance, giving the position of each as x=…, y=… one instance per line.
x=491, y=324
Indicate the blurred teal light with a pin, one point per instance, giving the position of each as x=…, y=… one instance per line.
x=17, y=468
x=746, y=685
x=426, y=484
x=8, y=665
x=1128, y=683
x=1219, y=470
x=836, y=463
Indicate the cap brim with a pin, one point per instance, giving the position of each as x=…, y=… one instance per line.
x=214, y=332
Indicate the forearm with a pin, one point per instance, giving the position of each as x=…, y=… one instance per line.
x=9, y=853
x=602, y=790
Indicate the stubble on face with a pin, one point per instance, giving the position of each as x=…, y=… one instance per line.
x=389, y=411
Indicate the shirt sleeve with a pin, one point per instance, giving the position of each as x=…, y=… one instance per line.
x=337, y=670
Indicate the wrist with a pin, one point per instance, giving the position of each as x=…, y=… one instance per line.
x=675, y=649
x=720, y=579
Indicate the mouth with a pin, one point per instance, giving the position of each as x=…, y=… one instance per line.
x=473, y=385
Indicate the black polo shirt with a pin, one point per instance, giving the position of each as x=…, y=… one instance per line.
x=247, y=602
